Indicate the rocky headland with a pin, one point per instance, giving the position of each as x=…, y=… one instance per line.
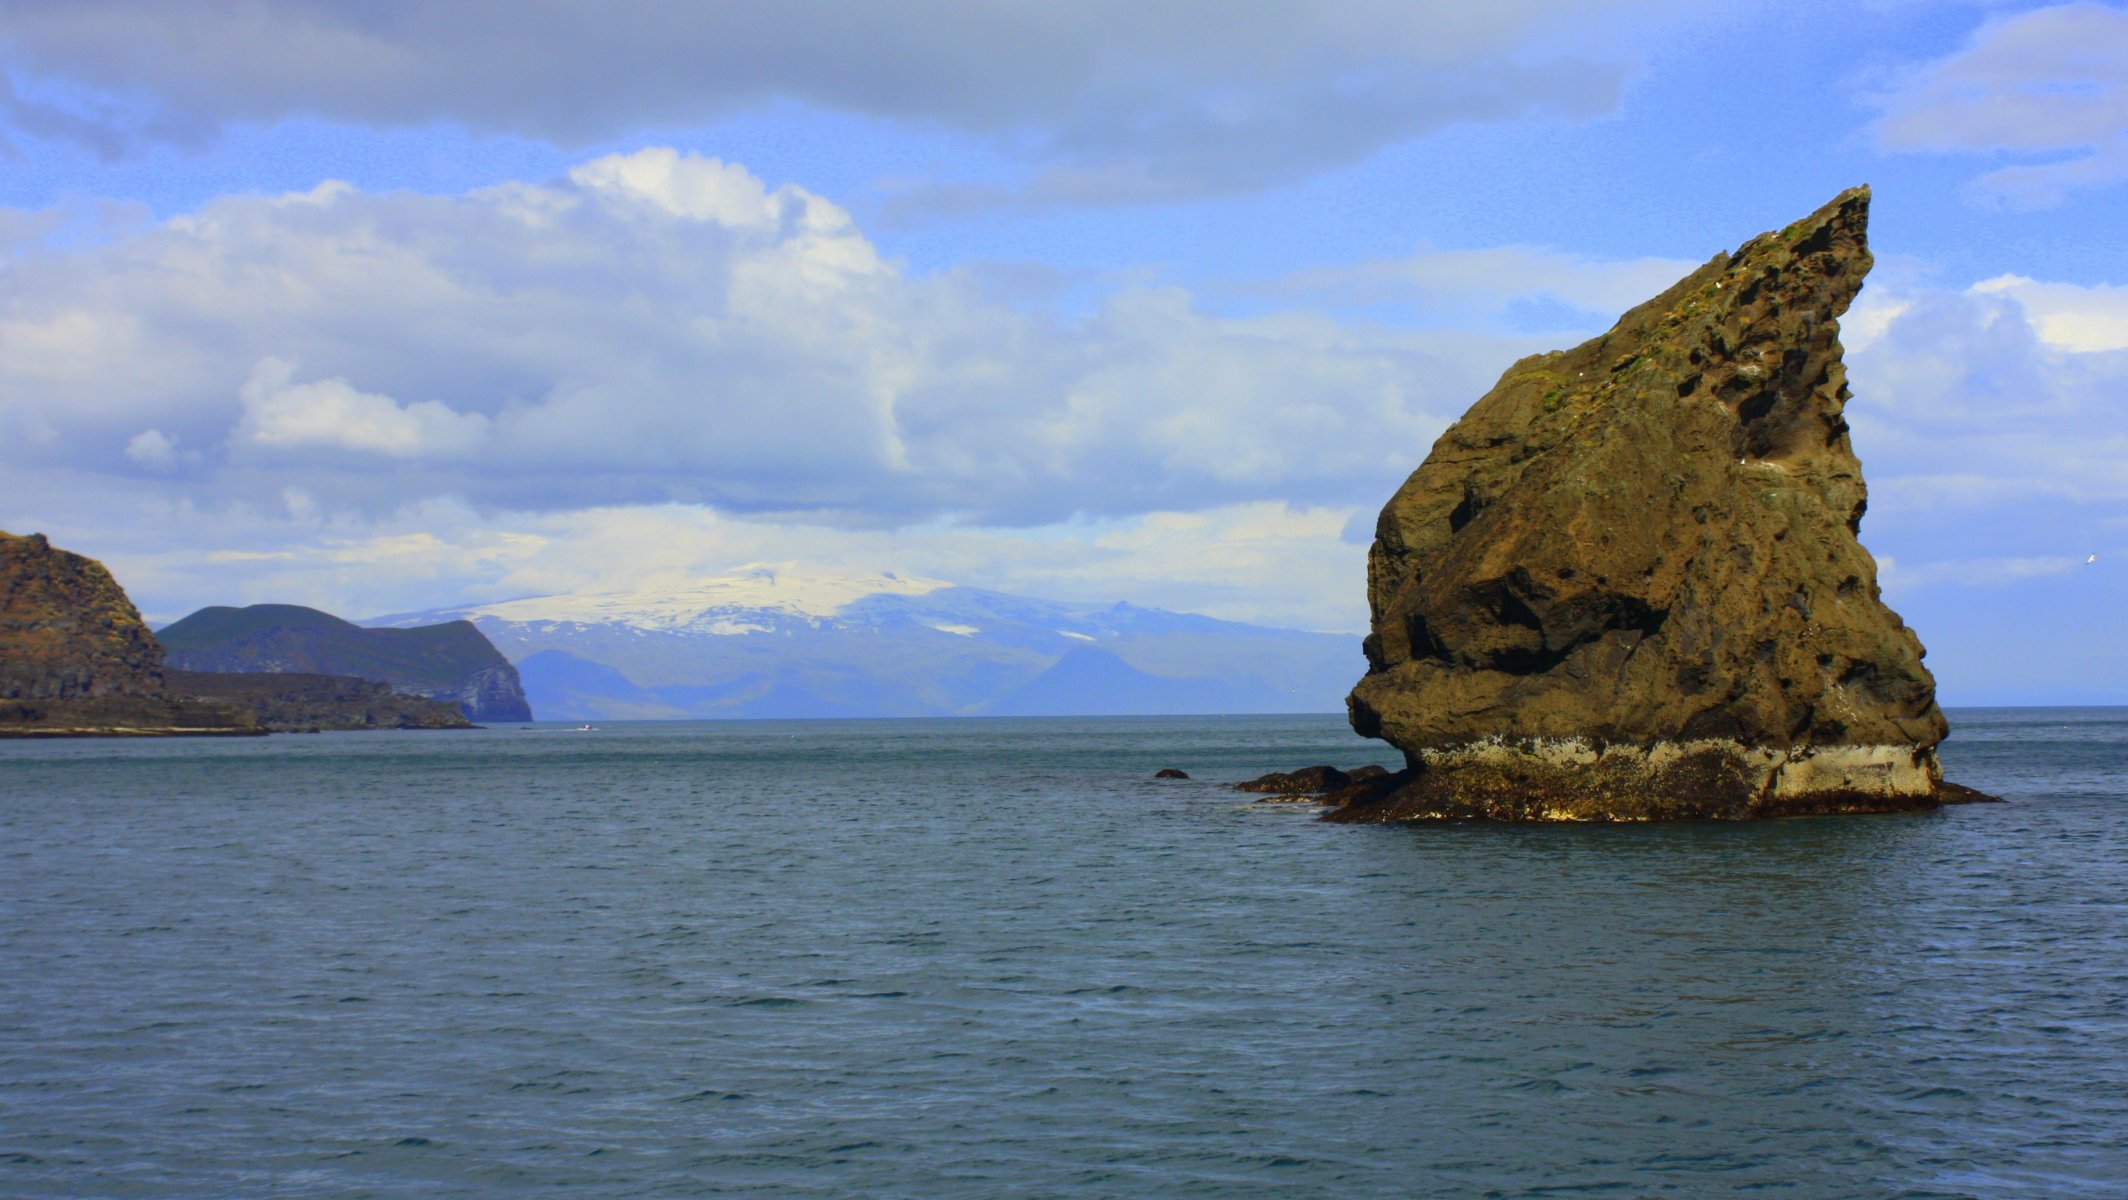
x=76, y=659
x=297, y=703
x=1627, y=584
x=451, y=662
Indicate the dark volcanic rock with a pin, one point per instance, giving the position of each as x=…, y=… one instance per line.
x=75, y=657
x=1307, y=780
x=452, y=661
x=1170, y=773
x=291, y=703
x=1626, y=584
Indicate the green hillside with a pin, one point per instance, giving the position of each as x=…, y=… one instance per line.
x=452, y=661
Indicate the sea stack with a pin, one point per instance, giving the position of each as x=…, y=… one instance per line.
x=1626, y=585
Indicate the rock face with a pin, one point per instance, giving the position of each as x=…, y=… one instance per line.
x=75, y=657
x=286, y=703
x=452, y=661
x=1627, y=585
x=68, y=629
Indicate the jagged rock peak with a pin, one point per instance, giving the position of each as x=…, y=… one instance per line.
x=1627, y=583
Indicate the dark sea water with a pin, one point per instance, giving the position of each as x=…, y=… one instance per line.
x=994, y=958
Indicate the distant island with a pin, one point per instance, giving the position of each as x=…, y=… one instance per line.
x=450, y=662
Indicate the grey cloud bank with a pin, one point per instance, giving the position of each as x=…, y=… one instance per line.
x=1120, y=101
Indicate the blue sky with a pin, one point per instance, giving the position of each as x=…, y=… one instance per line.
x=386, y=306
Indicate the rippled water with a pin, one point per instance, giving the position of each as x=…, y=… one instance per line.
x=973, y=958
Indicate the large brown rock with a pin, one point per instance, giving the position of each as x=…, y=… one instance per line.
x=1626, y=584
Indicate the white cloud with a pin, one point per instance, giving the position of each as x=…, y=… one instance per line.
x=1117, y=99
x=152, y=448
x=700, y=189
x=281, y=414
x=2051, y=82
x=1996, y=450
x=664, y=327
x=2066, y=315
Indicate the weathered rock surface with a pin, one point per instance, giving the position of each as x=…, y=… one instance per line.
x=68, y=630
x=1627, y=583
x=286, y=703
x=75, y=657
x=452, y=661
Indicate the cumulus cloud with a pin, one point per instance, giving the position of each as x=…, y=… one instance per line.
x=282, y=414
x=1118, y=98
x=2052, y=82
x=1995, y=436
x=664, y=327
x=2066, y=315
x=152, y=448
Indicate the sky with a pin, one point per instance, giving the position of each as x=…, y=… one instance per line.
x=393, y=305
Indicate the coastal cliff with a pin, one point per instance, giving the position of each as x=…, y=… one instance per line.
x=75, y=657
x=1627, y=583
x=451, y=662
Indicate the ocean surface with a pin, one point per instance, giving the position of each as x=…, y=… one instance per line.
x=995, y=958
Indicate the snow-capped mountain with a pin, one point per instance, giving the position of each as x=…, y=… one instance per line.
x=782, y=641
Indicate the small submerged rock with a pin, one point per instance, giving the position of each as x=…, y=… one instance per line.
x=1311, y=780
x=1170, y=773
x=1323, y=784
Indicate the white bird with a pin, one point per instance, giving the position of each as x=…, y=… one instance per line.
x=2090, y=560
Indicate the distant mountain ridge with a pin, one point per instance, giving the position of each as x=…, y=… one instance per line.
x=450, y=661
x=785, y=642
